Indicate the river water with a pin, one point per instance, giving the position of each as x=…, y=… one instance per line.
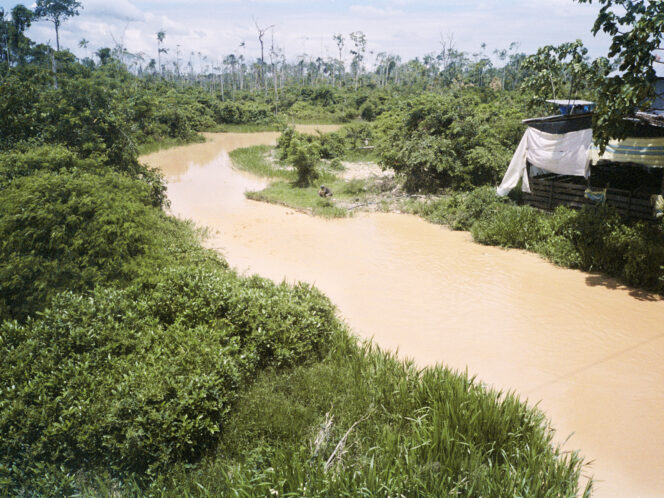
x=588, y=350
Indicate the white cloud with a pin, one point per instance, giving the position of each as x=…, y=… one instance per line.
x=406, y=27
x=371, y=11
x=116, y=9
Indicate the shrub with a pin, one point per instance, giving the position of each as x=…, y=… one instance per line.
x=134, y=380
x=521, y=227
x=305, y=158
x=457, y=140
x=72, y=231
x=19, y=163
x=461, y=210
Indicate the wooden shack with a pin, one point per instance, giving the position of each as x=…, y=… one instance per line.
x=557, y=163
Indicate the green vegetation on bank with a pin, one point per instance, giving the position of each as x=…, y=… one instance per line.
x=457, y=146
x=302, y=162
x=361, y=421
x=255, y=160
x=303, y=199
x=594, y=239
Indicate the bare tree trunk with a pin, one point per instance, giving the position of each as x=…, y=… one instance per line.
x=55, y=70
x=57, y=35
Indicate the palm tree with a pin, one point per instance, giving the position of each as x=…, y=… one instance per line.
x=84, y=44
x=161, y=34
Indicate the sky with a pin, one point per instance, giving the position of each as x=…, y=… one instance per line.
x=409, y=28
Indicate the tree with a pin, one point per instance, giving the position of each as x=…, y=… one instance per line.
x=4, y=36
x=57, y=11
x=339, y=40
x=104, y=55
x=161, y=34
x=21, y=20
x=563, y=72
x=637, y=30
x=83, y=43
x=360, y=41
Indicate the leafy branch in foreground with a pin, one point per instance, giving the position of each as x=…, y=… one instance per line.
x=636, y=29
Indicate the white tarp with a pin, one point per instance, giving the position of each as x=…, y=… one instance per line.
x=565, y=154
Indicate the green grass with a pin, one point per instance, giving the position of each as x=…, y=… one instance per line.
x=255, y=160
x=286, y=193
x=300, y=198
x=167, y=143
x=363, y=423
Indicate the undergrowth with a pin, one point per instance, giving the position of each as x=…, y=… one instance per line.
x=362, y=422
x=594, y=238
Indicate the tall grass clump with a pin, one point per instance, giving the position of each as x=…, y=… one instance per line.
x=364, y=422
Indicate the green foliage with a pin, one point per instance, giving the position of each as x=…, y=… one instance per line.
x=451, y=141
x=71, y=230
x=522, y=227
x=302, y=152
x=343, y=143
x=305, y=158
x=636, y=30
x=562, y=72
x=53, y=158
x=407, y=432
x=132, y=381
x=462, y=210
x=242, y=113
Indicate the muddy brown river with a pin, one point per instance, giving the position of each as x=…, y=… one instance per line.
x=588, y=350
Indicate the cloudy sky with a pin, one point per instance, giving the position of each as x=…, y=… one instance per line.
x=408, y=28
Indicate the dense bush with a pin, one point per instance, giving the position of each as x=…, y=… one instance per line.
x=72, y=230
x=242, y=113
x=592, y=238
x=461, y=210
x=522, y=227
x=55, y=158
x=457, y=140
x=133, y=380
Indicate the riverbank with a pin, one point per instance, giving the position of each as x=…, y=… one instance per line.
x=592, y=361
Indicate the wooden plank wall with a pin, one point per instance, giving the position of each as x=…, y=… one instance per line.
x=549, y=192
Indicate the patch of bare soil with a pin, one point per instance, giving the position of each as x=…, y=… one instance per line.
x=363, y=170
